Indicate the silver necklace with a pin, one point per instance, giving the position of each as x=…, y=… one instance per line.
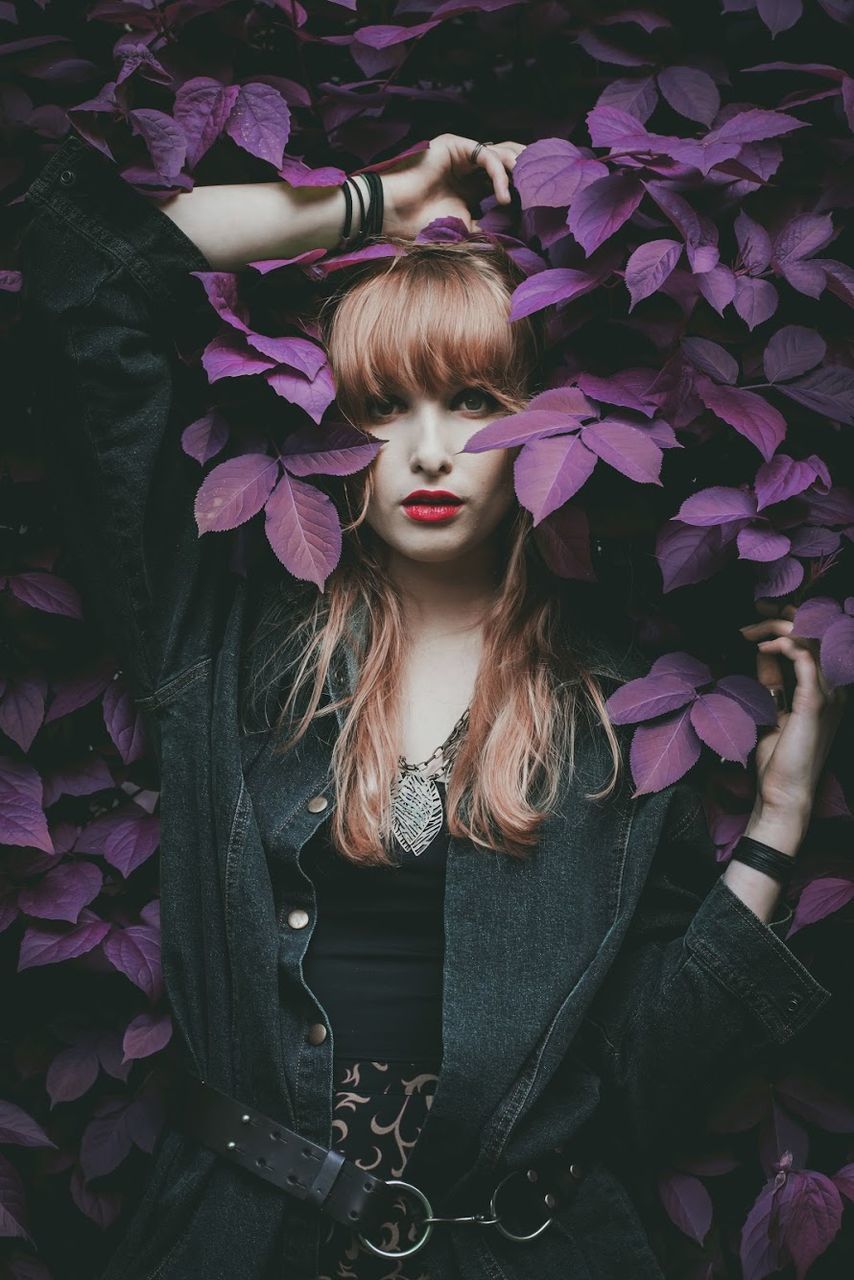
x=418, y=810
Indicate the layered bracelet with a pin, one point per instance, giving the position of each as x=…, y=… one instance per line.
x=764, y=858
x=371, y=223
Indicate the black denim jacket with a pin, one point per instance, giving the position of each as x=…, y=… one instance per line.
x=606, y=983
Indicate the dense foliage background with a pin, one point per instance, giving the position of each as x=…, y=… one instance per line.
x=682, y=211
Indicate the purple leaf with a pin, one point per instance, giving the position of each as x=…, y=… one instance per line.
x=779, y=579
x=300, y=354
x=698, y=231
x=164, y=138
x=551, y=171
x=126, y=837
x=101, y=1207
x=761, y=542
x=806, y=277
x=135, y=952
x=63, y=892
x=687, y=554
x=72, y=1072
x=625, y=448
x=202, y=106
x=80, y=690
x=752, y=696
x=79, y=778
x=21, y=1129
x=754, y=125
x=779, y=15
x=828, y=391
x=754, y=243
x=712, y=359
x=691, y=93
x=22, y=819
x=801, y=1216
x=814, y=617
x=235, y=491
x=717, y=287
x=652, y=695
x=13, y=1205
x=784, y=477
x=47, y=593
x=303, y=529
x=260, y=122
x=717, y=505
x=206, y=437
x=557, y=284
x=750, y=415
x=602, y=208
x=147, y=1034
x=550, y=471
x=837, y=652
x=338, y=451
x=687, y=1204
x=123, y=721
x=649, y=266
x=520, y=429
x=43, y=945
x=229, y=355
x=563, y=540
x=630, y=388
x=792, y=351
x=724, y=726
x=802, y=237
x=22, y=710
x=811, y=542
x=635, y=97
x=662, y=753
x=684, y=665
x=755, y=301
x=820, y=899
x=610, y=126
x=313, y=396
x=106, y=1141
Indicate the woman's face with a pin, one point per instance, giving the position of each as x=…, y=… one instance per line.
x=423, y=438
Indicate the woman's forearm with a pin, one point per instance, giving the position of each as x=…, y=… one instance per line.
x=757, y=890
x=237, y=223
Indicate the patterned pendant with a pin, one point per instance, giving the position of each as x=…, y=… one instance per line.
x=418, y=813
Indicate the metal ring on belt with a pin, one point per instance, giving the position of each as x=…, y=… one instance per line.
x=337, y=1186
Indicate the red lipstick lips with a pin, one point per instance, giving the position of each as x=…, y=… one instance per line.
x=431, y=505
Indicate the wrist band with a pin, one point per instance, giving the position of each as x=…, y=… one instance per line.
x=359, y=238
x=348, y=211
x=761, y=856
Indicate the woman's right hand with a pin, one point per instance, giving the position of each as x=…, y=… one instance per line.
x=442, y=182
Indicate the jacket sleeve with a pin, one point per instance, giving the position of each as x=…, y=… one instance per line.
x=107, y=289
x=701, y=989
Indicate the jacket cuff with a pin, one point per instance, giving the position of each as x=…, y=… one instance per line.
x=750, y=959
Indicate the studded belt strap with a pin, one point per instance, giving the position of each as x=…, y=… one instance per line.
x=349, y=1195
x=302, y=1168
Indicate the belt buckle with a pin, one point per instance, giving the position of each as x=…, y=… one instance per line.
x=428, y=1224
x=505, y=1231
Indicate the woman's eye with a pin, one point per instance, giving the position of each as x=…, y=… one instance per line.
x=475, y=393
x=382, y=406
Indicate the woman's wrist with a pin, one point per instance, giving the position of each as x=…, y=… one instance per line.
x=783, y=831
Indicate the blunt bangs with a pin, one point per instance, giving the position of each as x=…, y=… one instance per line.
x=433, y=318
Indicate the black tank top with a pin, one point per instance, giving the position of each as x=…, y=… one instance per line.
x=375, y=957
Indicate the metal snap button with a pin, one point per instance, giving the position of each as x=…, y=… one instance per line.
x=67, y=176
x=317, y=804
x=316, y=1033
x=298, y=919
x=576, y=1171
x=793, y=1002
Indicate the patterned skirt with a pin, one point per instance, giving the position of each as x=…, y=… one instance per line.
x=378, y=1112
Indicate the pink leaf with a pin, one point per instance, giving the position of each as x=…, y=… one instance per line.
x=303, y=529
x=724, y=726
x=235, y=491
x=662, y=753
x=755, y=419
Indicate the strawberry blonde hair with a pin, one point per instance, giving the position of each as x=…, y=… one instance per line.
x=435, y=314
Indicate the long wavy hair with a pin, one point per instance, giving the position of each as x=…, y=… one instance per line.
x=435, y=314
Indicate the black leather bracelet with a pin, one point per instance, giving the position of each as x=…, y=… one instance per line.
x=363, y=224
x=754, y=853
x=348, y=214
x=377, y=210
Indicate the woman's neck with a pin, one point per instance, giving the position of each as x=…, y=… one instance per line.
x=446, y=597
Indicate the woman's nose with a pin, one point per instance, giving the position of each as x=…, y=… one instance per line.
x=432, y=443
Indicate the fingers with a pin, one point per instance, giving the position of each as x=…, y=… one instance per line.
x=497, y=160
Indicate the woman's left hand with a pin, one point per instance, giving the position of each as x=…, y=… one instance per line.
x=790, y=756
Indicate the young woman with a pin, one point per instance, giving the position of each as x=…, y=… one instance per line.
x=414, y=926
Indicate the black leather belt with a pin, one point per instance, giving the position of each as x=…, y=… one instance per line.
x=338, y=1187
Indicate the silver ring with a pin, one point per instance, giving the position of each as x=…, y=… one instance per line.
x=511, y=1235
x=778, y=693
x=419, y=1244
x=474, y=155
